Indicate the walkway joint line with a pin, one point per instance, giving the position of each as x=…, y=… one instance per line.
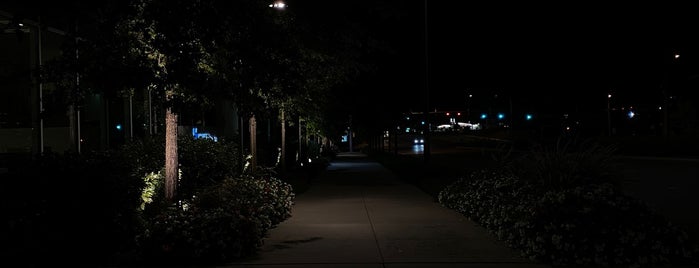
x=373, y=231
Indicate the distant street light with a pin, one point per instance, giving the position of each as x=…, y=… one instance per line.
x=278, y=5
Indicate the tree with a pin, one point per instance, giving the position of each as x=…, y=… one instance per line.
x=127, y=46
x=193, y=51
x=189, y=52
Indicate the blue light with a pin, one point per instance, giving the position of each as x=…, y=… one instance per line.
x=118, y=126
x=528, y=117
x=631, y=114
x=203, y=135
x=484, y=116
x=501, y=116
x=206, y=136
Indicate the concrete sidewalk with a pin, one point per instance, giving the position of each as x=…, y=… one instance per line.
x=358, y=214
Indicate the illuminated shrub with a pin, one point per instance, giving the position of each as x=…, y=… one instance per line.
x=224, y=221
x=203, y=161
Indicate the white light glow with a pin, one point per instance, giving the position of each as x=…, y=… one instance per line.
x=278, y=5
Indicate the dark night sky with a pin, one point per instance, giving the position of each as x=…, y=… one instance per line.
x=556, y=53
x=555, y=50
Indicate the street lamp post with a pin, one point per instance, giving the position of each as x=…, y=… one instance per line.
x=470, y=100
x=279, y=5
x=426, y=146
x=665, y=86
x=609, y=116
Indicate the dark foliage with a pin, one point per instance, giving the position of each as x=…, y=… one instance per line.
x=89, y=199
x=559, y=207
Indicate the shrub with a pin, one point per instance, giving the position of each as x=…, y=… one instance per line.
x=591, y=224
x=596, y=224
x=557, y=204
x=224, y=221
x=89, y=199
x=144, y=156
x=497, y=200
x=110, y=205
x=178, y=236
x=204, y=162
x=565, y=164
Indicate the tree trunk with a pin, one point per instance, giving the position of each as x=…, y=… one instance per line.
x=282, y=153
x=73, y=123
x=253, y=142
x=171, y=159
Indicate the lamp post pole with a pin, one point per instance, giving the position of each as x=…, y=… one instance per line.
x=282, y=116
x=609, y=116
x=426, y=145
x=666, y=83
x=468, y=107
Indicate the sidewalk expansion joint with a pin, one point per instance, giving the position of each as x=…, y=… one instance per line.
x=373, y=230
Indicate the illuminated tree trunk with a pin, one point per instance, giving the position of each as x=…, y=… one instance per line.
x=253, y=141
x=171, y=170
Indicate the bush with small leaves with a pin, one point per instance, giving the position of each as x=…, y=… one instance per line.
x=224, y=221
x=583, y=224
